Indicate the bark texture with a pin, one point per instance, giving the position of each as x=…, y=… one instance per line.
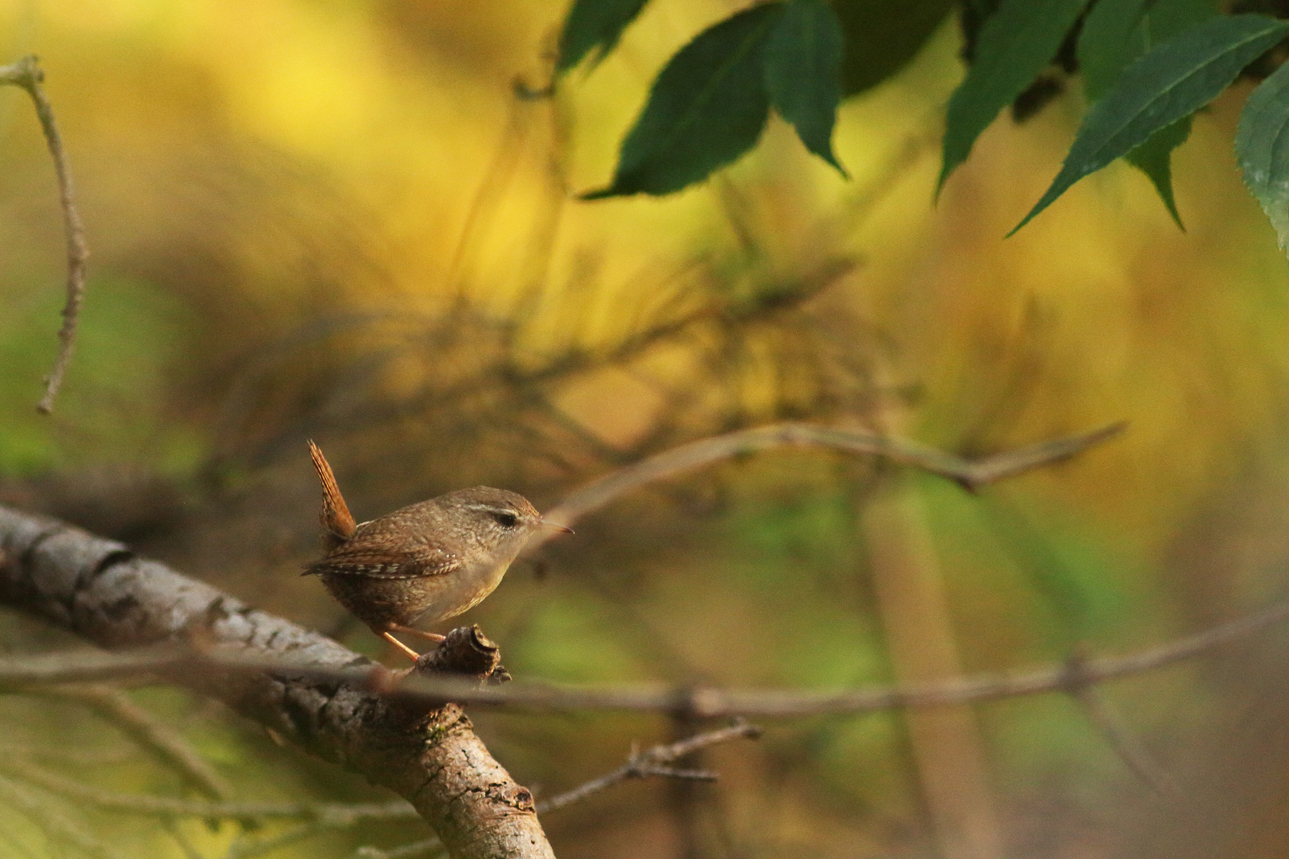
x=98, y=589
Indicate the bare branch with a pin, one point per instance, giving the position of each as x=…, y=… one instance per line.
x=653, y=763
x=702, y=702
x=27, y=74
x=971, y=474
x=1130, y=749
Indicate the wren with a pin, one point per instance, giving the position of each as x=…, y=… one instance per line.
x=432, y=560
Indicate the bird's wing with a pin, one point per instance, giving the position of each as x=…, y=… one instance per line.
x=362, y=561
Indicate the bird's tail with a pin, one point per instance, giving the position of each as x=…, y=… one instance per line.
x=337, y=521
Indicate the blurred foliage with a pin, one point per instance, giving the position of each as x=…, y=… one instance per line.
x=337, y=221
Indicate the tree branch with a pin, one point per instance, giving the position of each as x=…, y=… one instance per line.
x=295, y=657
x=27, y=74
x=653, y=762
x=432, y=758
x=970, y=474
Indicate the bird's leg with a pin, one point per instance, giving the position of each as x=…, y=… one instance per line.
x=419, y=633
x=410, y=653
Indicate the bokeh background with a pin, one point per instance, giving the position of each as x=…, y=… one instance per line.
x=344, y=220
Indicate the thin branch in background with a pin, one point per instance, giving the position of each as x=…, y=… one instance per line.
x=784, y=704
x=27, y=74
x=336, y=815
x=487, y=198
x=57, y=826
x=654, y=762
x=970, y=473
x=1122, y=740
x=682, y=796
x=705, y=702
x=171, y=826
x=164, y=743
x=33, y=670
x=16, y=847
x=426, y=849
x=247, y=849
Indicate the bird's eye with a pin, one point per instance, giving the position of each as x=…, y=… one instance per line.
x=505, y=520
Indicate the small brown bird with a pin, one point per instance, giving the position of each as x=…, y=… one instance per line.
x=435, y=559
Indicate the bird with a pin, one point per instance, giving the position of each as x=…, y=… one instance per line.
x=428, y=561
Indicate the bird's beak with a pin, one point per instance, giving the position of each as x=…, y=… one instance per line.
x=556, y=526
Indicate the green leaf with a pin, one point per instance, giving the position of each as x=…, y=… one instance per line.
x=1173, y=81
x=1155, y=159
x=1109, y=40
x=594, y=25
x=1262, y=148
x=1116, y=32
x=1014, y=45
x=706, y=108
x=881, y=37
x=803, y=70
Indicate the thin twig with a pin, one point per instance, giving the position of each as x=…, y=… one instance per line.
x=28, y=75
x=171, y=826
x=260, y=846
x=1121, y=739
x=704, y=702
x=20, y=673
x=415, y=850
x=653, y=763
x=334, y=814
x=971, y=474
x=57, y=826
x=159, y=739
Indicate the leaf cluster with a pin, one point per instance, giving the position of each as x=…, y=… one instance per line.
x=1146, y=68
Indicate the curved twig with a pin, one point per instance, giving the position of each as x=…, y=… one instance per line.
x=652, y=762
x=969, y=473
x=27, y=74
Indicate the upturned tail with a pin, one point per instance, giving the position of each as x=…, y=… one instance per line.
x=337, y=521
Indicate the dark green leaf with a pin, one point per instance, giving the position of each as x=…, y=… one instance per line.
x=1155, y=159
x=591, y=25
x=881, y=37
x=1015, y=44
x=1262, y=148
x=1108, y=42
x=1174, y=80
x=706, y=108
x=1114, y=34
x=802, y=72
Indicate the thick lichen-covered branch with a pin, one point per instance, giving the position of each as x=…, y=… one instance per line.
x=430, y=756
